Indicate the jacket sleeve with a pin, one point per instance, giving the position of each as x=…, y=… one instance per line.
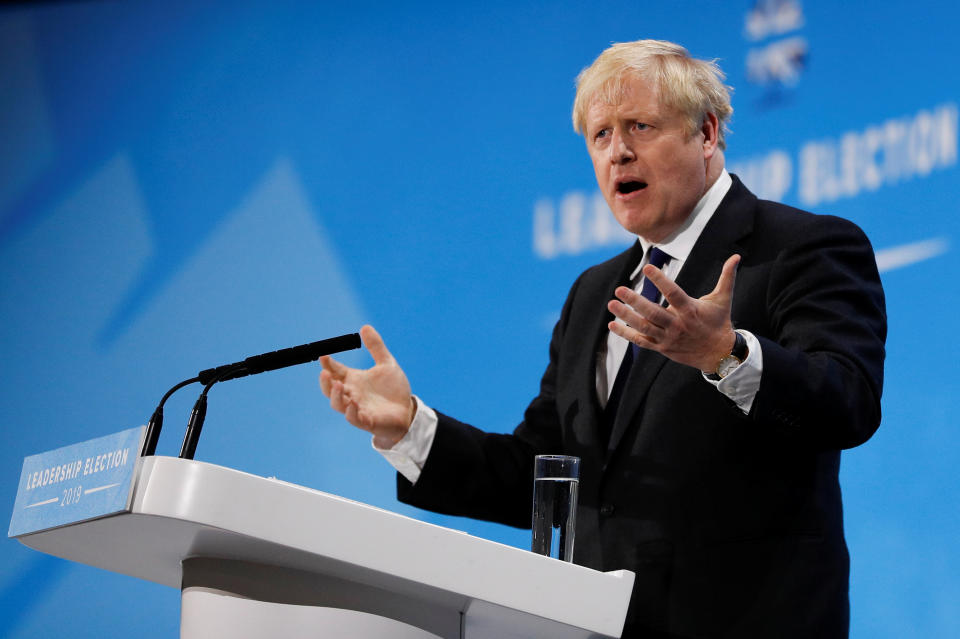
x=823, y=348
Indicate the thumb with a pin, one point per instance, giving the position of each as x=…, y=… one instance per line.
x=374, y=343
x=728, y=277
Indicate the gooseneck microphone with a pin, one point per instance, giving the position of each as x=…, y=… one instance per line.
x=280, y=359
x=253, y=365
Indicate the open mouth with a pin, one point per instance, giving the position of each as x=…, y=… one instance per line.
x=629, y=187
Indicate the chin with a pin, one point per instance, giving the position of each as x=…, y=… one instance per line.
x=635, y=224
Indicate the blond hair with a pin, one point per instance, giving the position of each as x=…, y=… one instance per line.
x=690, y=86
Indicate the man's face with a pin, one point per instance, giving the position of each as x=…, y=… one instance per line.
x=650, y=169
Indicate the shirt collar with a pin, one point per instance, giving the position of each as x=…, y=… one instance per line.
x=681, y=241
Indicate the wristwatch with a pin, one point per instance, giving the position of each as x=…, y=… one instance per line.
x=735, y=358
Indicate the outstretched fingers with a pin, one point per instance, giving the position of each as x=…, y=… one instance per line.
x=667, y=287
x=352, y=415
x=335, y=368
x=339, y=399
x=375, y=399
x=728, y=278
x=332, y=371
x=326, y=382
x=637, y=304
x=374, y=343
x=644, y=338
x=639, y=315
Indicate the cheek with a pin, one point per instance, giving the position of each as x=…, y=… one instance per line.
x=686, y=177
x=600, y=169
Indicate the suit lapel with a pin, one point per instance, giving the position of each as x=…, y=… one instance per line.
x=719, y=240
x=594, y=333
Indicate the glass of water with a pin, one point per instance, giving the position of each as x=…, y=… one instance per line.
x=556, y=479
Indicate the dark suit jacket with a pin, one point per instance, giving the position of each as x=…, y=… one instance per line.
x=732, y=522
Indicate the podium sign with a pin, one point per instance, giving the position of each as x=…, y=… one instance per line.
x=76, y=483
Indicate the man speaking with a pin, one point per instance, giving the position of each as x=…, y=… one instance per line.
x=708, y=378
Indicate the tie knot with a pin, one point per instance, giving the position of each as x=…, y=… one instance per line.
x=657, y=257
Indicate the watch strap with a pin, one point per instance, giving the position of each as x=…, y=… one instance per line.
x=739, y=347
x=738, y=352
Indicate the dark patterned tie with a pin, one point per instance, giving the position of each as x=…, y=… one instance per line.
x=658, y=258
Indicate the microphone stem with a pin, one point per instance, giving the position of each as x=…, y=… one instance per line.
x=194, y=427
x=199, y=413
x=156, y=420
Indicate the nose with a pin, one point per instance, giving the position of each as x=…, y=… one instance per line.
x=620, y=151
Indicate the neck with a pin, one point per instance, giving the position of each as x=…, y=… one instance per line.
x=714, y=168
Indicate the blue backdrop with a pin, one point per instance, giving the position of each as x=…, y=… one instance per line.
x=184, y=184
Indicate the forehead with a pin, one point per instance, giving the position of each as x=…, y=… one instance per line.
x=630, y=95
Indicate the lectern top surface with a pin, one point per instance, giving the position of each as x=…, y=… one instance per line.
x=185, y=508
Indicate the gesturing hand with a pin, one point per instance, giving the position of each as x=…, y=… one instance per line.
x=695, y=332
x=377, y=399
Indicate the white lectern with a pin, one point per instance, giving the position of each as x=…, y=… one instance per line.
x=259, y=557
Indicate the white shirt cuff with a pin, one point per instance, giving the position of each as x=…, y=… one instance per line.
x=743, y=382
x=410, y=453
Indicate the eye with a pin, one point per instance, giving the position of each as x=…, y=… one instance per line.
x=601, y=134
x=641, y=126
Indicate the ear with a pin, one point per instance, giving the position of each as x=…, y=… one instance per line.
x=710, y=128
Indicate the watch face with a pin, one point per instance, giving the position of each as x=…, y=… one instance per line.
x=727, y=364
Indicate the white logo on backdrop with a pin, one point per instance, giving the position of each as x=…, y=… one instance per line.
x=893, y=151
x=771, y=18
x=858, y=161
x=576, y=224
x=896, y=257
x=780, y=62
